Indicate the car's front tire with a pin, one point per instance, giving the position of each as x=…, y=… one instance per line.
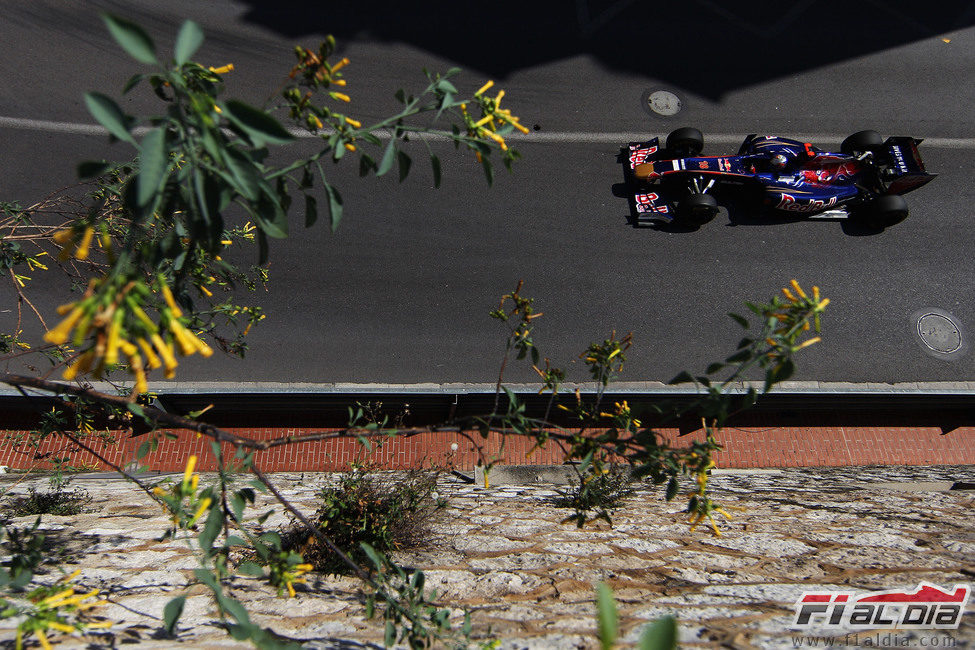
x=697, y=209
x=685, y=142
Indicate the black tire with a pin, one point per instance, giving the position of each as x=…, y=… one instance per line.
x=886, y=211
x=697, y=209
x=686, y=142
x=861, y=142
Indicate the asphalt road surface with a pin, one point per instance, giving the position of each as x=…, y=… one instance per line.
x=400, y=294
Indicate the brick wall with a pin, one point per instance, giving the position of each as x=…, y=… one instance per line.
x=755, y=445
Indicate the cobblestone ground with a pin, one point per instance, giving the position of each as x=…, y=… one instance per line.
x=528, y=579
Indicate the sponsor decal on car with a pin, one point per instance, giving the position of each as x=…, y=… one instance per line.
x=639, y=156
x=648, y=203
x=928, y=607
x=790, y=204
x=899, y=158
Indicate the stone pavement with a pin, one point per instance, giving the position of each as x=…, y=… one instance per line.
x=529, y=580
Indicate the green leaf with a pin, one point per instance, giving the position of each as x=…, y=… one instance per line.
x=682, y=378
x=488, y=170
x=389, y=156
x=93, y=168
x=132, y=38
x=212, y=528
x=171, y=613
x=334, y=205
x=136, y=409
x=607, y=616
x=435, y=162
x=740, y=320
x=143, y=449
x=659, y=635
x=271, y=217
x=311, y=211
x=738, y=357
x=259, y=127
x=133, y=81
x=247, y=180
x=672, y=488
x=235, y=609
x=404, y=163
x=109, y=115
x=390, y=637
x=252, y=569
x=378, y=560
x=188, y=41
x=154, y=166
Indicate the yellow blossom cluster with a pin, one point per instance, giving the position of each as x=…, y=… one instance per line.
x=493, y=117
x=799, y=309
x=114, y=318
x=292, y=575
x=53, y=606
x=198, y=504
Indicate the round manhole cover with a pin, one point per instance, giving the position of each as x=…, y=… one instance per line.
x=662, y=102
x=939, y=333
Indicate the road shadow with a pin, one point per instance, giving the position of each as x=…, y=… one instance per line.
x=704, y=46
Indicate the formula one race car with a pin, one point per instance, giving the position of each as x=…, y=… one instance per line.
x=865, y=181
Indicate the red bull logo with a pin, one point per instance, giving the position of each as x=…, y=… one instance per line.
x=790, y=204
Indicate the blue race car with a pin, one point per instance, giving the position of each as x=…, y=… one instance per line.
x=865, y=181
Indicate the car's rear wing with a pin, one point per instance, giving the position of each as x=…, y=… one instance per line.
x=906, y=163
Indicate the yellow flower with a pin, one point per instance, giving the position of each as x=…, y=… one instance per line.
x=354, y=123
x=169, y=361
x=204, y=506
x=168, y=296
x=61, y=627
x=151, y=357
x=350, y=146
x=806, y=344
x=341, y=96
x=81, y=365
x=188, y=472
x=788, y=294
x=64, y=236
x=59, y=335
x=341, y=64
x=795, y=285
x=43, y=639
x=82, y=251
x=484, y=87
x=61, y=595
x=224, y=69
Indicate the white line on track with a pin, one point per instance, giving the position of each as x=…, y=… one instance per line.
x=539, y=136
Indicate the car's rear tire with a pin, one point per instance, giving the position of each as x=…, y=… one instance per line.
x=697, y=209
x=861, y=142
x=685, y=142
x=886, y=211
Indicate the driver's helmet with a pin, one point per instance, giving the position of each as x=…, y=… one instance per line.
x=779, y=162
